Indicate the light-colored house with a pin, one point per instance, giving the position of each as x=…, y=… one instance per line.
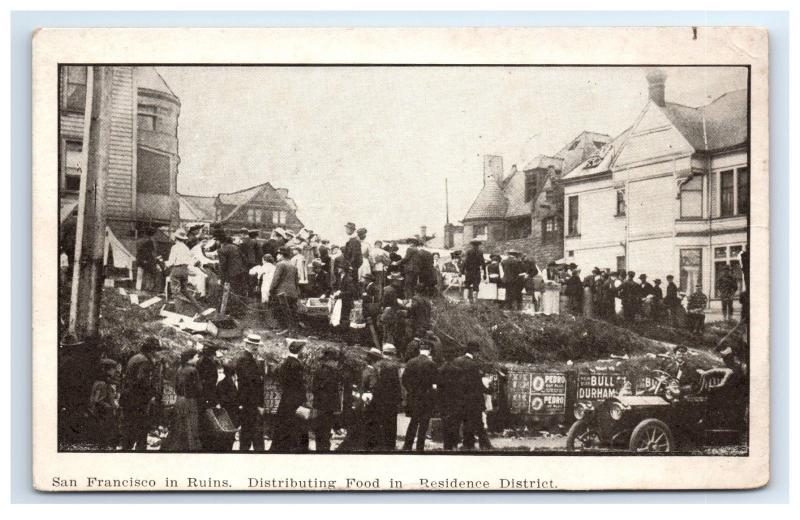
x=669, y=195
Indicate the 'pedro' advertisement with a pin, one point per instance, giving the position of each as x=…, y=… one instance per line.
x=537, y=393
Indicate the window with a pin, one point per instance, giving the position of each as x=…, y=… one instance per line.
x=727, y=255
x=531, y=185
x=743, y=191
x=726, y=193
x=572, y=223
x=152, y=172
x=620, y=203
x=692, y=198
x=75, y=89
x=479, y=231
x=574, y=145
x=253, y=216
x=550, y=232
x=279, y=217
x=691, y=265
x=147, y=117
x=73, y=165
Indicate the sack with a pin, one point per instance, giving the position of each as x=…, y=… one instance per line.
x=219, y=421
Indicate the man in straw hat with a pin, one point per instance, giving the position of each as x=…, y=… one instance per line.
x=139, y=395
x=291, y=433
x=180, y=258
x=251, y=395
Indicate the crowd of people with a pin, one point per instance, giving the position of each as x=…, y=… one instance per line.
x=125, y=405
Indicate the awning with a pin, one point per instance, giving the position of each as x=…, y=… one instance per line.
x=67, y=210
x=120, y=256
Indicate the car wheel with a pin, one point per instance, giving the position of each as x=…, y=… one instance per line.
x=582, y=437
x=652, y=436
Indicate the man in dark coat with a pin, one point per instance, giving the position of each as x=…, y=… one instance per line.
x=291, y=433
x=139, y=395
x=207, y=372
x=325, y=392
x=227, y=396
x=419, y=380
x=427, y=273
x=474, y=268
x=246, y=249
x=147, y=263
x=386, y=397
x=284, y=290
x=574, y=293
x=251, y=395
x=411, y=267
x=471, y=391
x=672, y=301
x=727, y=287
x=231, y=272
x=448, y=387
x=352, y=248
x=346, y=289
x=631, y=295
x=514, y=272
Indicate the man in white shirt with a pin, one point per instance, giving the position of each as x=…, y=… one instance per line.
x=180, y=258
x=299, y=262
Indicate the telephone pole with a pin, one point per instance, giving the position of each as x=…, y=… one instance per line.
x=87, y=278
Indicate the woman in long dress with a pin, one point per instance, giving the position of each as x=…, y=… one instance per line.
x=185, y=432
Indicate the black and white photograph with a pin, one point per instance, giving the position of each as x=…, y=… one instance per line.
x=403, y=259
x=454, y=272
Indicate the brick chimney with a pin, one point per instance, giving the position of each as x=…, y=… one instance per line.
x=492, y=169
x=656, y=79
x=423, y=232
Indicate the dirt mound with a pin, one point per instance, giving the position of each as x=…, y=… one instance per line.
x=523, y=338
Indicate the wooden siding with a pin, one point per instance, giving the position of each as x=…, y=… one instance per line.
x=119, y=191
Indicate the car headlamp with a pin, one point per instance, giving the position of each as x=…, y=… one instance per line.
x=581, y=410
x=616, y=411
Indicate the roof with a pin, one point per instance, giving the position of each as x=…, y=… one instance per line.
x=725, y=121
x=195, y=207
x=490, y=203
x=148, y=78
x=514, y=190
x=241, y=197
x=544, y=162
x=612, y=149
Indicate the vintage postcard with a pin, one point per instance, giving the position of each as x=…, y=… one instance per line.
x=400, y=259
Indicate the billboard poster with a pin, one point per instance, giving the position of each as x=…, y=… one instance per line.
x=537, y=393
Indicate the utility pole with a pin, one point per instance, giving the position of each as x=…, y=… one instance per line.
x=446, y=202
x=87, y=284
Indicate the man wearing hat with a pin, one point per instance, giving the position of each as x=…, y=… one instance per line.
x=513, y=279
x=180, y=258
x=231, y=272
x=325, y=392
x=148, y=265
x=290, y=433
x=726, y=288
x=284, y=290
x=207, y=371
x=250, y=379
x=471, y=391
x=352, y=248
x=411, y=268
x=696, y=310
x=419, y=380
x=574, y=292
x=474, y=268
x=140, y=392
x=386, y=398
x=631, y=295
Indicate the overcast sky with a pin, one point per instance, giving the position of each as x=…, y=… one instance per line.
x=373, y=145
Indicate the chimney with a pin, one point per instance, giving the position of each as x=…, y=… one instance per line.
x=656, y=79
x=423, y=232
x=492, y=168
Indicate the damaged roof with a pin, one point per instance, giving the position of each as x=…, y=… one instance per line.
x=196, y=207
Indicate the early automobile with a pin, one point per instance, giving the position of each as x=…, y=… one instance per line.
x=662, y=418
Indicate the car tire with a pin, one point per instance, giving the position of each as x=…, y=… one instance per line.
x=652, y=434
x=577, y=428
